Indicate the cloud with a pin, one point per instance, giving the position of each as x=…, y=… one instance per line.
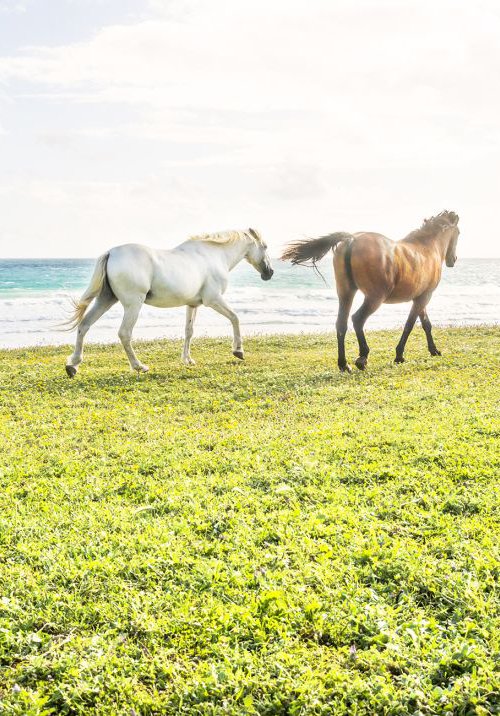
x=196, y=115
x=387, y=94
x=12, y=6
x=256, y=56
x=295, y=182
x=96, y=214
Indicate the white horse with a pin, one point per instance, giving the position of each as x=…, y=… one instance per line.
x=195, y=273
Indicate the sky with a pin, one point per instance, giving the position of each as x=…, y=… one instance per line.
x=152, y=120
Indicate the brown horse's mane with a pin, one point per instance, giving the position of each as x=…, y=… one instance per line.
x=430, y=227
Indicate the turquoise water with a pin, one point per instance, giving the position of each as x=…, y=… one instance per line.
x=34, y=298
x=18, y=276
x=25, y=276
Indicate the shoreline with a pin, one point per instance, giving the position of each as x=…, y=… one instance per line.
x=35, y=300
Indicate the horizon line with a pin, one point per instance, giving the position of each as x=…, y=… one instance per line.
x=274, y=258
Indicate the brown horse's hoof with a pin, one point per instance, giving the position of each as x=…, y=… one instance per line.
x=435, y=353
x=71, y=371
x=239, y=354
x=345, y=368
x=399, y=359
x=361, y=362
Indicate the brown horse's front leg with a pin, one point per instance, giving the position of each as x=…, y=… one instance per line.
x=427, y=326
x=412, y=317
x=359, y=318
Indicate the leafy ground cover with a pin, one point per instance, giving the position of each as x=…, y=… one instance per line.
x=267, y=537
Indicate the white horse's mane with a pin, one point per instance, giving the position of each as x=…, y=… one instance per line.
x=227, y=237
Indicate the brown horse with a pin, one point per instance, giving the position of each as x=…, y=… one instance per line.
x=384, y=271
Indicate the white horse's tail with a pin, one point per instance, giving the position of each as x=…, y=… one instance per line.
x=93, y=290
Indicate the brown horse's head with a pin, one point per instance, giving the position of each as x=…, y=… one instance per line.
x=454, y=231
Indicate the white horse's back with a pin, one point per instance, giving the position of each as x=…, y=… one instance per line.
x=165, y=278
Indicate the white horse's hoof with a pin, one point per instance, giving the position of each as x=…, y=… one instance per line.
x=188, y=361
x=141, y=368
x=239, y=354
x=71, y=370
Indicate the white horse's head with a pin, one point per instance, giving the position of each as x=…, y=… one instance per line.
x=257, y=255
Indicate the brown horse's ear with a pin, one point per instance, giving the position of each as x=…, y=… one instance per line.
x=254, y=233
x=454, y=218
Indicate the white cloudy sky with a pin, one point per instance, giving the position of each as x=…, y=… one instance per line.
x=130, y=120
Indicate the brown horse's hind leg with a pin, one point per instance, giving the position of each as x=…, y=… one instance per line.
x=410, y=322
x=427, y=326
x=359, y=318
x=345, y=303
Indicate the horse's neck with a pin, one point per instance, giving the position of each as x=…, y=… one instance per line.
x=439, y=241
x=442, y=241
x=233, y=253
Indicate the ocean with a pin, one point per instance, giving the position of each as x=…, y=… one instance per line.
x=34, y=299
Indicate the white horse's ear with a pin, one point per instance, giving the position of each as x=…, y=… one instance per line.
x=254, y=233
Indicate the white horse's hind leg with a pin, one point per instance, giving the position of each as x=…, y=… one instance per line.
x=222, y=307
x=190, y=316
x=102, y=303
x=130, y=317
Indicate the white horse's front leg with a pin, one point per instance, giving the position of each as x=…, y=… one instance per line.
x=222, y=307
x=190, y=316
x=130, y=317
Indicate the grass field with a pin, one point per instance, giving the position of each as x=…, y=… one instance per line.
x=266, y=537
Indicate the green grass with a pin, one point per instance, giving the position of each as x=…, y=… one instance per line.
x=267, y=537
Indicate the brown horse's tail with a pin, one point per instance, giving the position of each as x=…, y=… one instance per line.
x=308, y=253
x=93, y=290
